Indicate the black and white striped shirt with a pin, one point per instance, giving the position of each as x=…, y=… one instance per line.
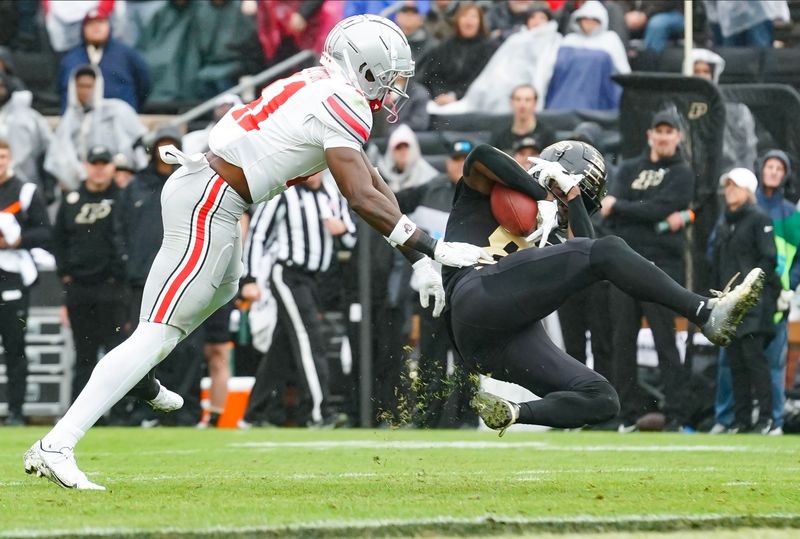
x=290, y=229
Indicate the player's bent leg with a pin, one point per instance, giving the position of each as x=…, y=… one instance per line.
x=113, y=377
x=612, y=259
x=585, y=404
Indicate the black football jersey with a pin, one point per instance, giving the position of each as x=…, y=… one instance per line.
x=471, y=221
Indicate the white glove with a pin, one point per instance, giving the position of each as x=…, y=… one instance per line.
x=429, y=282
x=458, y=255
x=785, y=300
x=547, y=218
x=549, y=171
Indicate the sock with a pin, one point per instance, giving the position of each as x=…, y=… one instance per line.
x=116, y=373
x=213, y=419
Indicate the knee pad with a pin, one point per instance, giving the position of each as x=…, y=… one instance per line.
x=606, y=249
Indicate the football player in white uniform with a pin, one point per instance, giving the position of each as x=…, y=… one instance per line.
x=316, y=119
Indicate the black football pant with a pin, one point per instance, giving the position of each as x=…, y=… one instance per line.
x=97, y=314
x=750, y=378
x=297, y=338
x=13, y=320
x=627, y=321
x=496, y=314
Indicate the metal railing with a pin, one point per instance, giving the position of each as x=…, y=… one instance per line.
x=246, y=86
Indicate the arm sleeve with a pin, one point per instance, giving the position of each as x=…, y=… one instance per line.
x=491, y=163
x=579, y=221
x=37, y=232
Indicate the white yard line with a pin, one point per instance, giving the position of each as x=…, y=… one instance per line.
x=371, y=526
x=541, y=446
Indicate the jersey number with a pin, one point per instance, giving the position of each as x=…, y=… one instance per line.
x=276, y=94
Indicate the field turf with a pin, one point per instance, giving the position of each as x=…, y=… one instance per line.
x=305, y=483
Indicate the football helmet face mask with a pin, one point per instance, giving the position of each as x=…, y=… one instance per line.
x=584, y=159
x=374, y=55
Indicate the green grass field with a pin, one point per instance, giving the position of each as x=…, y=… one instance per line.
x=266, y=482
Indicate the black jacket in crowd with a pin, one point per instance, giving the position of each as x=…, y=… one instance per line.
x=744, y=239
x=647, y=193
x=455, y=63
x=139, y=223
x=33, y=221
x=84, y=238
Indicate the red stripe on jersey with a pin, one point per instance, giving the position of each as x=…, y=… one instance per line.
x=199, y=237
x=348, y=118
x=250, y=121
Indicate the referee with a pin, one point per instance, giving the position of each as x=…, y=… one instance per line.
x=296, y=230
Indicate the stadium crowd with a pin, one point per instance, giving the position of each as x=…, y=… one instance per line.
x=513, y=73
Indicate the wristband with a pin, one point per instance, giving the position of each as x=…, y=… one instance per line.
x=403, y=230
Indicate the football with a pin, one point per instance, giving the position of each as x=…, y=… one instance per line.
x=514, y=211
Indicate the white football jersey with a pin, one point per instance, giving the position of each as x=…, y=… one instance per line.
x=280, y=138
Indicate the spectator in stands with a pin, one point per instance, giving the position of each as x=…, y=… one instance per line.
x=526, y=57
x=443, y=392
x=508, y=16
x=285, y=28
x=587, y=57
x=24, y=224
x=124, y=71
x=739, y=140
x=525, y=148
x=415, y=113
x=197, y=141
x=402, y=165
x=123, y=170
x=90, y=120
x=456, y=62
x=171, y=53
x=654, y=21
x=7, y=68
x=219, y=29
x=647, y=190
x=744, y=23
x=524, y=123
x=744, y=239
x=439, y=19
x=775, y=169
x=422, y=43
x=90, y=264
x=384, y=8
x=616, y=16
x=64, y=20
x=25, y=130
x=139, y=228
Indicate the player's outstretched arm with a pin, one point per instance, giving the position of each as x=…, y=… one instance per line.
x=486, y=165
x=354, y=176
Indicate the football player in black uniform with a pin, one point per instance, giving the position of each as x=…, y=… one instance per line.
x=495, y=310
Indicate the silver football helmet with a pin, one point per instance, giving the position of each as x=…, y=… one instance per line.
x=374, y=55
